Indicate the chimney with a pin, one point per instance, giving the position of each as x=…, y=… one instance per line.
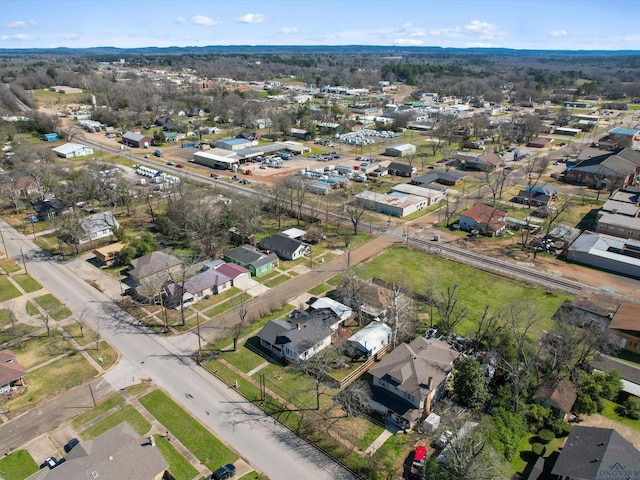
x=152, y=441
x=297, y=326
x=430, y=383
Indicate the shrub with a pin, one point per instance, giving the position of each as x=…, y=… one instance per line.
x=546, y=435
x=538, y=449
x=566, y=429
x=556, y=426
x=630, y=408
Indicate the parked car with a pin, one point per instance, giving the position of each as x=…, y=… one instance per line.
x=72, y=443
x=50, y=462
x=170, y=163
x=224, y=473
x=180, y=165
x=245, y=182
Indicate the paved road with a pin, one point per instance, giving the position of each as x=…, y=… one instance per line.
x=266, y=444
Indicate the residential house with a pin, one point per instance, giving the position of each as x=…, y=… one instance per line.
x=153, y=270
x=607, y=253
x=252, y=259
x=540, y=142
x=625, y=323
x=194, y=289
x=50, y=208
x=537, y=195
x=485, y=219
x=401, y=169
x=71, y=150
x=308, y=333
x=240, y=276
x=487, y=162
x=559, y=394
x=115, y=455
x=109, y=254
x=340, y=310
x=136, y=140
x=11, y=372
x=96, y=227
x=410, y=379
x=370, y=300
x=594, y=305
x=370, y=340
x=285, y=247
x=591, y=453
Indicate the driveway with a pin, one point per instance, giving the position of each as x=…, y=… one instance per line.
x=628, y=433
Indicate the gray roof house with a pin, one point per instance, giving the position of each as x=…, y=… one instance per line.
x=97, y=226
x=155, y=267
x=115, y=455
x=591, y=453
x=284, y=246
x=11, y=372
x=410, y=379
x=252, y=259
x=306, y=334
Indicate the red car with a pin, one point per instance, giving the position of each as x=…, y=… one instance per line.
x=419, y=456
x=180, y=165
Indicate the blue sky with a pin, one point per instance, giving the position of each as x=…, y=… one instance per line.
x=526, y=24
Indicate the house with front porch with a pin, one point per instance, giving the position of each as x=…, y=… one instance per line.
x=194, y=289
x=410, y=379
x=11, y=372
x=252, y=259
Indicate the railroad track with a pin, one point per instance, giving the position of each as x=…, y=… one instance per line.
x=499, y=267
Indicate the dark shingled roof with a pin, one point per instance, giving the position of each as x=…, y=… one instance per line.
x=283, y=245
x=117, y=454
x=560, y=392
x=591, y=453
x=248, y=255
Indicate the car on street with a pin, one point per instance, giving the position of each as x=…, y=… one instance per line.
x=50, y=462
x=180, y=165
x=170, y=163
x=224, y=473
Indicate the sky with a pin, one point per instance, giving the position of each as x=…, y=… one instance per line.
x=517, y=24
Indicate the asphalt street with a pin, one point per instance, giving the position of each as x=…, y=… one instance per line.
x=267, y=445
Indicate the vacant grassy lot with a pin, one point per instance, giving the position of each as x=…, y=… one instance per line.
x=48, y=302
x=126, y=414
x=38, y=350
x=106, y=355
x=31, y=309
x=27, y=283
x=7, y=290
x=17, y=466
x=179, y=467
x=52, y=379
x=193, y=435
x=102, y=407
x=475, y=288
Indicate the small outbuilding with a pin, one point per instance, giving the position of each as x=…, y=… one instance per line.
x=370, y=340
x=71, y=150
x=402, y=150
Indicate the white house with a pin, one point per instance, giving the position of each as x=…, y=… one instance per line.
x=209, y=282
x=70, y=150
x=371, y=339
x=96, y=226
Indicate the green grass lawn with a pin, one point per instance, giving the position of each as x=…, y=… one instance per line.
x=40, y=349
x=276, y=281
x=193, y=435
x=253, y=476
x=48, y=302
x=106, y=356
x=610, y=413
x=475, y=287
x=7, y=290
x=27, y=282
x=245, y=359
x=9, y=265
x=102, y=407
x=223, y=307
x=126, y=414
x=179, y=466
x=17, y=466
x=320, y=289
x=32, y=310
x=52, y=379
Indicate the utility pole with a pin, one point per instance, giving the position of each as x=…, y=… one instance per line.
x=24, y=264
x=199, y=338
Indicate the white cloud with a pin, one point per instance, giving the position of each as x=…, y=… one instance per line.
x=181, y=20
x=69, y=36
x=18, y=36
x=288, y=30
x=407, y=42
x=558, y=33
x=21, y=24
x=475, y=29
x=204, y=20
x=252, y=18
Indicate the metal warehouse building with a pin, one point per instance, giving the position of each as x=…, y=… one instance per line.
x=402, y=150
